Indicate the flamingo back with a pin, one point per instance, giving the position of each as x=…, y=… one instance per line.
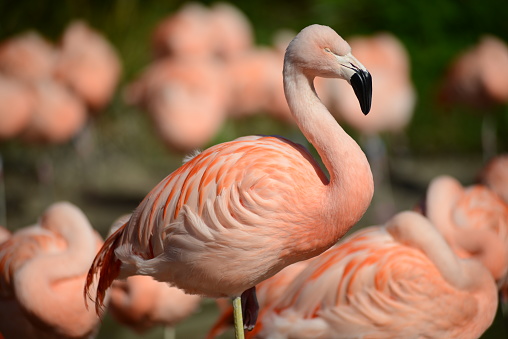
x=372, y=286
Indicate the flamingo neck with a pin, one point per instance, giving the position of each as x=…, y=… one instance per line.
x=57, y=279
x=350, y=189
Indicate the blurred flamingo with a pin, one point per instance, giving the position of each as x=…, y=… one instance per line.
x=478, y=77
x=401, y=280
x=16, y=106
x=495, y=175
x=186, y=33
x=88, y=64
x=185, y=99
x=43, y=271
x=232, y=31
x=4, y=234
x=57, y=115
x=239, y=212
x=28, y=57
x=251, y=82
x=140, y=302
x=393, y=100
x=455, y=210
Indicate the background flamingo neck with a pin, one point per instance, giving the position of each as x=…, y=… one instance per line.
x=351, y=185
x=484, y=246
x=44, y=275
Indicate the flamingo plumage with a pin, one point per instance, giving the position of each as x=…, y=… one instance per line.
x=239, y=212
x=400, y=280
x=140, y=302
x=4, y=234
x=478, y=78
x=477, y=210
x=42, y=274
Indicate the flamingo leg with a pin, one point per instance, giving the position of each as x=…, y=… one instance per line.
x=169, y=332
x=237, y=314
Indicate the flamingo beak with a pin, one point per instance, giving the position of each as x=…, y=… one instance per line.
x=361, y=82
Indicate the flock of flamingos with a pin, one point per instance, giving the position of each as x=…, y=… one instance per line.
x=255, y=219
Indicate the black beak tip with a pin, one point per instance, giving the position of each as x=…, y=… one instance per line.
x=361, y=82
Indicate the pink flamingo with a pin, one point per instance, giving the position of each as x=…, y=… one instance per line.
x=141, y=302
x=88, y=64
x=28, y=57
x=478, y=77
x=16, y=106
x=185, y=99
x=401, y=280
x=58, y=114
x=4, y=234
x=455, y=210
x=43, y=269
x=186, y=33
x=251, y=82
x=239, y=212
x=232, y=31
x=495, y=175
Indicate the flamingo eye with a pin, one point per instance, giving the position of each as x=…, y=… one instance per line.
x=328, y=50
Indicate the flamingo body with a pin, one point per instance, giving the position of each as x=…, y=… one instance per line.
x=28, y=57
x=185, y=100
x=16, y=107
x=42, y=277
x=478, y=76
x=477, y=210
x=401, y=280
x=141, y=303
x=88, y=64
x=58, y=114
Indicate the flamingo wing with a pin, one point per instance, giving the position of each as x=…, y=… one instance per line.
x=368, y=287
x=236, y=197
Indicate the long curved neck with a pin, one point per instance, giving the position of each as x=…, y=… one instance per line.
x=350, y=189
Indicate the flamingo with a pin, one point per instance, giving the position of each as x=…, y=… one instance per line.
x=88, y=64
x=16, y=107
x=232, y=31
x=400, y=280
x=4, y=234
x=239, y=212
x=478, y=78
x=455, y=210
x=28, y=57
x=57, y=115
x=42, y=274
x=495, y=175
x=185, y=99
x=185, y=33
x=140, y=302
